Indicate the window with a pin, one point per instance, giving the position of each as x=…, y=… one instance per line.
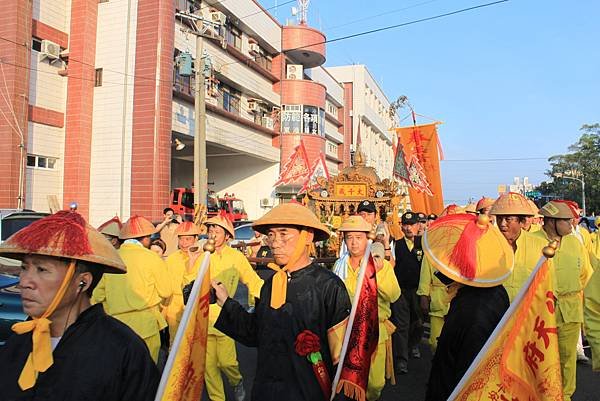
x=303, y=119
x=98, y=77
x=231, y=99
x=103, y=1
x=234, y=37
x=332, y=148
x=291, y=119
x=331, y=109
x=36, y=44
x=42, y=162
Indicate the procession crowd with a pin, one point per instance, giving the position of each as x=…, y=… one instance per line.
x=104, y=304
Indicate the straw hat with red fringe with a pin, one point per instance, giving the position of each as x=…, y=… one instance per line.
x=64, y=234
x=137, y=227
x=574, y=206
x=187, y=228
x=484, y=202
x=557, y=210
x=111, y=227
x=222, y=222
x=469, y=250
x=471, y=208
x=452, y=209
x=513, y=204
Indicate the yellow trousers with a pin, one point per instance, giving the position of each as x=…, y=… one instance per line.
x=153, y=343
x=220, y=356
x=435, y=329
x=568, y=334
x=377, y=373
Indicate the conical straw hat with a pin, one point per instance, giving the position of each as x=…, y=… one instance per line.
x=222, y=222
x=187, y=228
x=137, y=227
x=355, y=223
x=111, y=227
x=291, y=214
x=513, y=204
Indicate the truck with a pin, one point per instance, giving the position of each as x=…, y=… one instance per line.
x=228, y=205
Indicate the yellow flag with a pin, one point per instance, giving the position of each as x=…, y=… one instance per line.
x=183, y=377
x=520, y=361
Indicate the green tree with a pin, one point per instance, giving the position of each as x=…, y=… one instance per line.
x=582, y=161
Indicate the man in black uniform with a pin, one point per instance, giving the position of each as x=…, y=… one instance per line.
x=299, y=296
x=69, y=350
x=406, y=312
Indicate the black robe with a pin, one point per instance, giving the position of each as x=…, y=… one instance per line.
x=473, y=315
x=97, y=358
x=316, y=300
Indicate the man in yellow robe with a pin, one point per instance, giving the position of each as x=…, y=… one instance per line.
x=512, y=211
x=227, y=266
x=572, y=272
x=434, y=300
x=355, y=230
x=135, y=297
x=177, y=264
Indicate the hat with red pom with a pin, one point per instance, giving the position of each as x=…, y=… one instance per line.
x=111, y=227
x=137, y=227
x=64, y=234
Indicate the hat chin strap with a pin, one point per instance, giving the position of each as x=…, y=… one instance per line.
x=40, y=357
x=279, y=284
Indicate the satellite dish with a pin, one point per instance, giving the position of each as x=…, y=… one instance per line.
x=294, y=11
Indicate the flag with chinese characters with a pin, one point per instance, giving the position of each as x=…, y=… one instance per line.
x=185, y=375
x=422, y=152
x=520, y=361
x=296, y=168
x=318, y=169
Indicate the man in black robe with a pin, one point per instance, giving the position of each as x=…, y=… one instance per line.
x=69, y=350
x=299, y=296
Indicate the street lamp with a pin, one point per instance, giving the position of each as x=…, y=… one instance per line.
x=571, y=175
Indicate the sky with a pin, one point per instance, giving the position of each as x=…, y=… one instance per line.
x=514, y=80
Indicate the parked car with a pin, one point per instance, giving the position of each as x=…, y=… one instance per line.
x=13, y=220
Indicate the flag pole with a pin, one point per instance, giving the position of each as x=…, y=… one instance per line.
x=187, y=312
x=507, y=315
x=357, y=291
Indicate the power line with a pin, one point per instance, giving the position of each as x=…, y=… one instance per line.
x=495, y=160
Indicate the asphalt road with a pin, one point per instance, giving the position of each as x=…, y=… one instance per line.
x=411, y=386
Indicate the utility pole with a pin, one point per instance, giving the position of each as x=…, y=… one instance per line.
x=200, y=171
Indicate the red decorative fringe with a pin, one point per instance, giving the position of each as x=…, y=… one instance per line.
x=464, y=254
x=135, y=224
x=65, y=231
x=574, y=206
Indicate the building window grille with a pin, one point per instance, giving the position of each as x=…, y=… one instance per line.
x=42, y=162
x=36, y=44
x=234, y=37
x=98, y=77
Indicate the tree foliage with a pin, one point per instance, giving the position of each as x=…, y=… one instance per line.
x=583, y=158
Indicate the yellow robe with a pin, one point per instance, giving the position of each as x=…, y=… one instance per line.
x=177, y=264
x=528, y=253
x=134, y=297
x=388, y=291
x=432, y=287
x=572, y=272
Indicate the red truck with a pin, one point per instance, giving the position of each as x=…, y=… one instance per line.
x=182, y=202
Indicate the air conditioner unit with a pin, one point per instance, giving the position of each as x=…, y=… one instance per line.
x=254, y=48
x=294, y=71
x=267, y=122
x=218, y=17
x=266, y=202
x=253, y=105
x=50, y=49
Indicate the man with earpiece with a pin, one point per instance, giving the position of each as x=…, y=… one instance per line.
x=68, y=349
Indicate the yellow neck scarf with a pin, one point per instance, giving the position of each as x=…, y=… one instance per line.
x=40, y=357
x=279, y=286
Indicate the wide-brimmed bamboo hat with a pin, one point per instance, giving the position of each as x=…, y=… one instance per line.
x=557, y=210
x=64, y=234
x=470, y=208
x=534, y=209
x=356, y=224
x=137, y=227
x=453, y=209
x=292, y=214
x=469, y=250
x=484, y=202
x=222, y=222
x=512, y=204
x=187, y=228
x=111, y=227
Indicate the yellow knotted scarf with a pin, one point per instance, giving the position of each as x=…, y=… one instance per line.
x=40, y=357
x=279, y=285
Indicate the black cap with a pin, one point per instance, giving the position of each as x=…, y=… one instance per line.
x=366, y=206
x=421, y=217
x=432, y=216
x=409, y=218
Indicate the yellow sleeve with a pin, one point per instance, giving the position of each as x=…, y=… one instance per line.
x=425, y=279
x=99, y=294
x=387, y=284
x=248, y=276
x=162, y=281
x=586, y=268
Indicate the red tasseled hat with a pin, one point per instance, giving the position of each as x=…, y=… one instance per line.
x=111, y=227
x=64, y=234
x=572, y=205
x=137, y=227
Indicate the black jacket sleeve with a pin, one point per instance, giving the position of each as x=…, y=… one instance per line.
x=237, y=323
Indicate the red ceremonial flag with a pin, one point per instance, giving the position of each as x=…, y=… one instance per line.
x=296, y=167
x=318, y=169
x=520, y=361
x=422, y=151
x=361, y=341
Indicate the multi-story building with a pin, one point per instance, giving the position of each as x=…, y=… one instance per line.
x=103, y=109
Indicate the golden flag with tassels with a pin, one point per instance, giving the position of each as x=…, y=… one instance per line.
x=183, y=376
x=520, y=361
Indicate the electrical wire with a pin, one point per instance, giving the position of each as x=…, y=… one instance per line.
x=495, y=160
